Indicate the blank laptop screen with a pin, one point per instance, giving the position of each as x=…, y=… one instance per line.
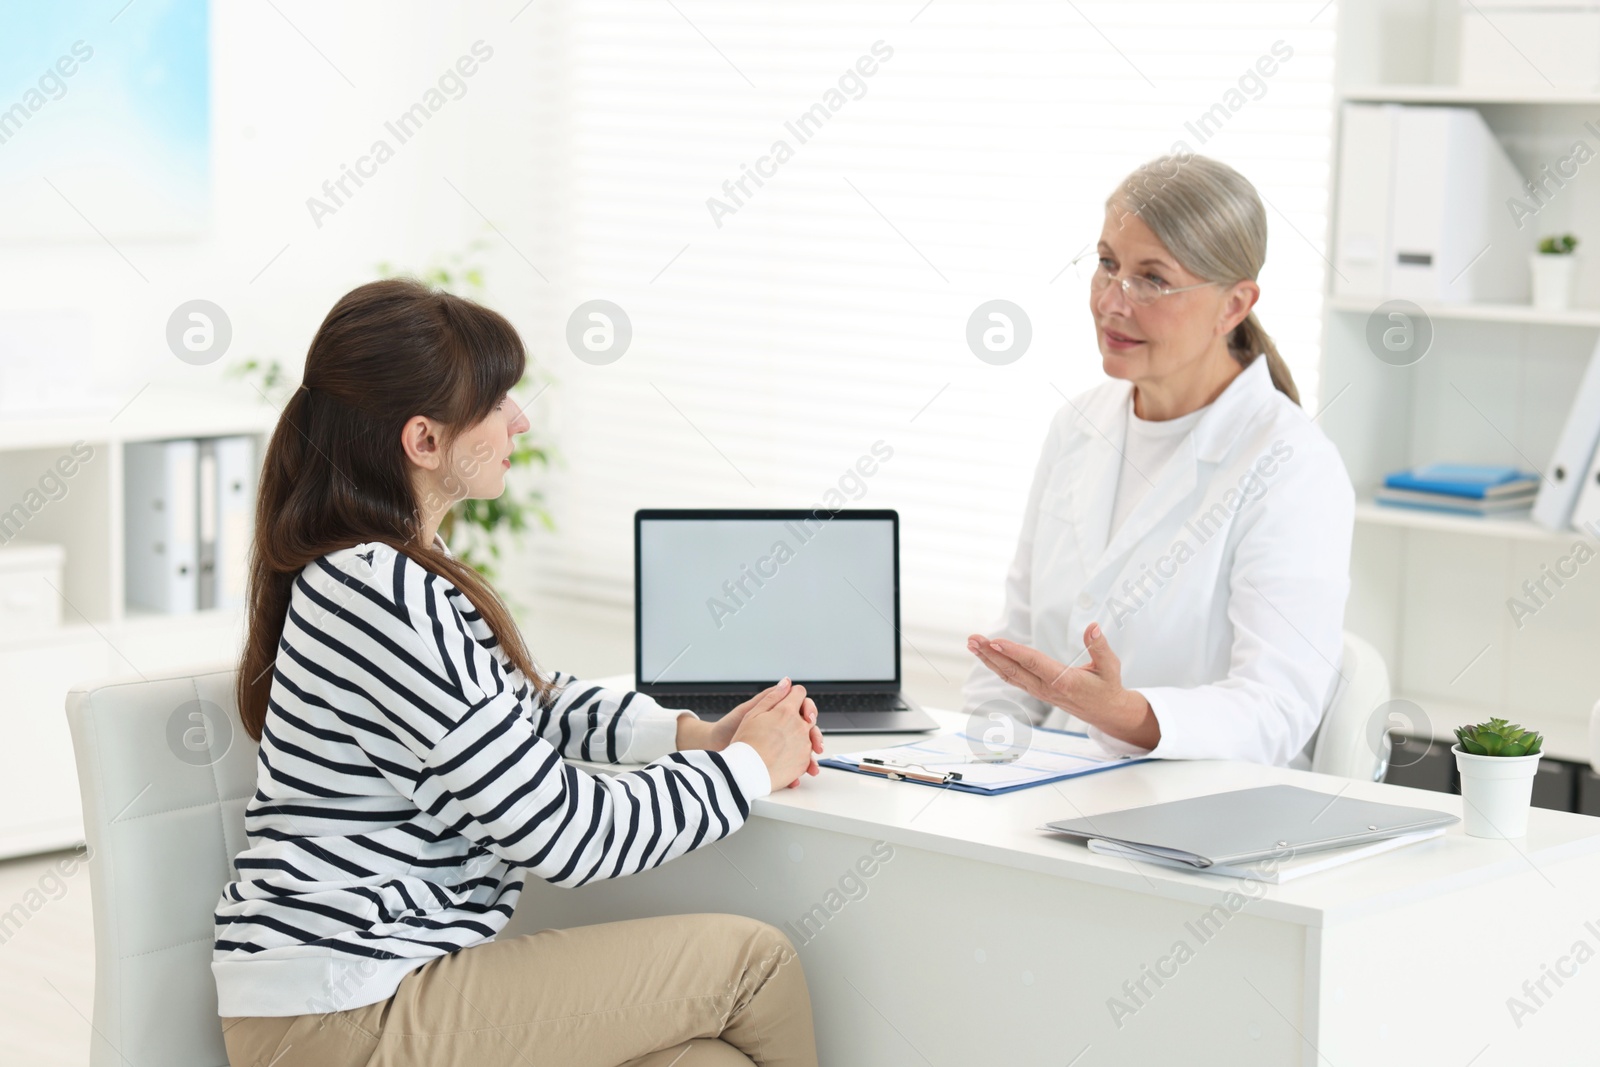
x=753, y=600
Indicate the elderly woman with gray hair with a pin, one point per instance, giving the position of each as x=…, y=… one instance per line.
x=1179, y=585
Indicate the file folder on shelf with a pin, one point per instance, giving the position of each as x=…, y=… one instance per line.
x=1586, y=511
x=225, y=500
x=1421, y=208
x=206, y=519
x=1564, y=478
x=161, y=554
x=235, y=517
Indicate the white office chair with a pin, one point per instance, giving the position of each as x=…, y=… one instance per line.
x=163, y=814
x=1350, y=742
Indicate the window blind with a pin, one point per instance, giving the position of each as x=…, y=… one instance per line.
x=783, y=323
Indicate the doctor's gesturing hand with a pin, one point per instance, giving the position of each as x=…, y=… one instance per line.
x=1092, y=692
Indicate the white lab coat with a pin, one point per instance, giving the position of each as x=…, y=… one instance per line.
x=1223, y=592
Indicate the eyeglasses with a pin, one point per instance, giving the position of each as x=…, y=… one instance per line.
x=1138, y=289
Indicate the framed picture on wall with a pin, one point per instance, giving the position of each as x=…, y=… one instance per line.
x=105, y=121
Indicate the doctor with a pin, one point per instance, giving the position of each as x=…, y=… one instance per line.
x=1179, y=586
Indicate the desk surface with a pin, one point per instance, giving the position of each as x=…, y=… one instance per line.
x=1005, y=829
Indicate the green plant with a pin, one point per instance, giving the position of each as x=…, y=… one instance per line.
x=269, y=374
x=453, y=273
x=475, y=529
x=266, y=376
x=1498, y=738
x=1558, y=246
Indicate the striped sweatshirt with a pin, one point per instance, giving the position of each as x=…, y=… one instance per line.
x=409, y=777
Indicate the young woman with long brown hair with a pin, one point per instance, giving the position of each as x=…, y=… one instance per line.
x=412, y=764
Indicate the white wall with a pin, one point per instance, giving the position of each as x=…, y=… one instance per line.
x=284, y=120
x=771, y=347
x=302, y=88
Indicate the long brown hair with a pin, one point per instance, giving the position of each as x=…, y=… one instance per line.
x=1210, y=218
x=335, y=474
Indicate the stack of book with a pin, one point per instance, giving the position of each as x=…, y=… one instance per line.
x=1464, y=489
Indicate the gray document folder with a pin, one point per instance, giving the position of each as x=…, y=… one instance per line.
x=1247, y=825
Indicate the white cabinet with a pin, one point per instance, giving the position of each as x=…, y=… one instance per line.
x=39, y=805
x=61, y=484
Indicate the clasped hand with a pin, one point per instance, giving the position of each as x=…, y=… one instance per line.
x=780, y=723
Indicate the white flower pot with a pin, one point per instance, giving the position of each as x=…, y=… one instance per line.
x=1553, y=280
x=1496, y=792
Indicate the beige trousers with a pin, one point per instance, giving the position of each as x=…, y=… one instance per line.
x=676, y=991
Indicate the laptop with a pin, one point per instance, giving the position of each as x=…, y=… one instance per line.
x=728, y=602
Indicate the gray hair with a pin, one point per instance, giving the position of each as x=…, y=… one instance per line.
x=1210, y=218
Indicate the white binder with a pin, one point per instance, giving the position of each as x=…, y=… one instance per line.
x=235, y=496
x=1366, y=181
x=1586, y=512
x=1422, y=215
x=161, y=550
x=1563, y=479
x=206, y=519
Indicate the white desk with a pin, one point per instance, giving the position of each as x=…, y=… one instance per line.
x=986, y=941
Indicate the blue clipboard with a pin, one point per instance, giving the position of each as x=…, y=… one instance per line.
x=1056, y=761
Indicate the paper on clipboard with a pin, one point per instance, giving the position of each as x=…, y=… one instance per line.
x=1051, y=755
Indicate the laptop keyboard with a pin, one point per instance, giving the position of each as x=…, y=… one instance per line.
x=722, y=703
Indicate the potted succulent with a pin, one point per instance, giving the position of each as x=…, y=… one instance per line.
x=1555, y=268
x=1497, y=761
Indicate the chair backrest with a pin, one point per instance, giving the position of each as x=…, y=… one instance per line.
x=1353, y=740
x=165, y=769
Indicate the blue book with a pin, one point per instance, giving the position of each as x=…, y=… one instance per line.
x=1477, y=482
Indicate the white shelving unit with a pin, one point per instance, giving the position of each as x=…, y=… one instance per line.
x=1455, y=94
x=1433, y=590
x=98, y=637
x=1583, y=318
x=1519, y=528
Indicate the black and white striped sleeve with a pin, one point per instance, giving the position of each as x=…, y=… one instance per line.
x=589, y=722
x=488, y=771
x=582, y=720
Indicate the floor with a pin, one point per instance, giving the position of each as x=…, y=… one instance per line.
x=46, y=921
x=46, y=961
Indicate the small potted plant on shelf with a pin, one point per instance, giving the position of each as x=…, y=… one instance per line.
x=1497, y=761
x=1555, y=268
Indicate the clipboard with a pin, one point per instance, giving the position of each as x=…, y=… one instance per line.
x=960, y=761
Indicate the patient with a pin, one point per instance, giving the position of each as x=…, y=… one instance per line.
x=413, y=759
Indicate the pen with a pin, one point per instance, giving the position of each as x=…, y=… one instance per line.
x=901, y=770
